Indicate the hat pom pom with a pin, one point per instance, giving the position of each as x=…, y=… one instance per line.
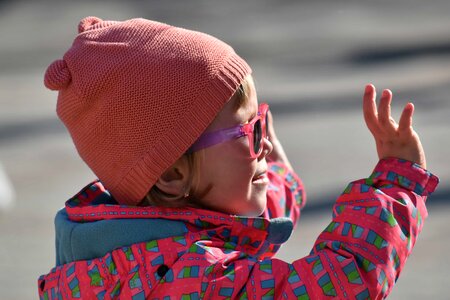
x=57, y=75
x=87, y=22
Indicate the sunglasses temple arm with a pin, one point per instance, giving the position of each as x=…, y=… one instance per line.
x=216, y=137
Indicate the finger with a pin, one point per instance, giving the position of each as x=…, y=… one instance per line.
x=405, y=122
x=269, y=117
x=370, y=108
x=384, y=108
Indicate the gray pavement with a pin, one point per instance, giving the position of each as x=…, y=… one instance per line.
x=310, y=60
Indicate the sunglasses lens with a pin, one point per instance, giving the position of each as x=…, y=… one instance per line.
x=257, y=136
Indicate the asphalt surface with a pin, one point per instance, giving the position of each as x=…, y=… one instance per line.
x=310, y=61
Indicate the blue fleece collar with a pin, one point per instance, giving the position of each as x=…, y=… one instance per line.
x=81, y=241
x=92, y=224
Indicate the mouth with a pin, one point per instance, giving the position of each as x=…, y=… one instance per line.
x=261, y=178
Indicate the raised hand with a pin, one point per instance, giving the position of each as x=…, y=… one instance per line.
x=392, y=139
x=277, y=154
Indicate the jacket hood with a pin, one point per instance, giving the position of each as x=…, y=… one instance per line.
x=93, y=224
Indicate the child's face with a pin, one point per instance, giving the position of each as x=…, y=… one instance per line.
x=229, y=180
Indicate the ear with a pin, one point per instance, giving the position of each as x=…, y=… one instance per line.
x=175, y=179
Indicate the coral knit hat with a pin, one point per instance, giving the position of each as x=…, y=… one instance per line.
x=134, y=96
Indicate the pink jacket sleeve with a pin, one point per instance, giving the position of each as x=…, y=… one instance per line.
x=285, y=194
x=362, y=251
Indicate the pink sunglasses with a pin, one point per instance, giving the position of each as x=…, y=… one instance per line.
x=255, y=130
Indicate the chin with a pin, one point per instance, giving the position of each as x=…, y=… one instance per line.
x=257, y=210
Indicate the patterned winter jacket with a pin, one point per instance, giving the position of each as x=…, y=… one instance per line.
x=109, y=251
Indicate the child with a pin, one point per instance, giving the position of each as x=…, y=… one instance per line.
x=195, y=194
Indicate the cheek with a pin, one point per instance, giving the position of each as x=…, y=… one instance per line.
x=227, y=160
x=237, y=167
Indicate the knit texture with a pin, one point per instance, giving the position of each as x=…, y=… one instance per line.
x=134, y=95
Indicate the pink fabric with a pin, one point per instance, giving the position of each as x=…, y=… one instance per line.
x=134, y=96
x=358, y=256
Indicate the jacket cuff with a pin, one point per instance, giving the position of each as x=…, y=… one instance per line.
x=291, y=181
x=406, y=174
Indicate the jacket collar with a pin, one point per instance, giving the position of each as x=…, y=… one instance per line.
x=253, y=235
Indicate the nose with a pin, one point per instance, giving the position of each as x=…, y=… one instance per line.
x=267, y=148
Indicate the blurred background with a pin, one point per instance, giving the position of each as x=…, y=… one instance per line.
x=311, y=60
